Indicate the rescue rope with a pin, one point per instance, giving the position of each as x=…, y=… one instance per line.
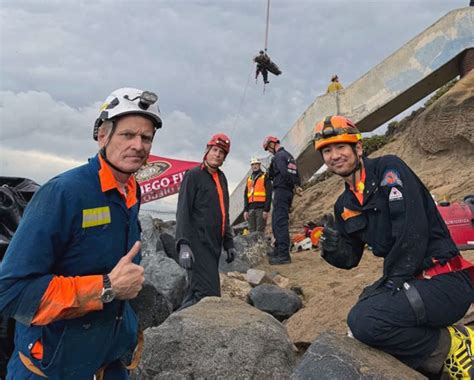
x=268, y=23
x=241, y=103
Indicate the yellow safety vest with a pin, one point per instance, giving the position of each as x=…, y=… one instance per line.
x=256, y=190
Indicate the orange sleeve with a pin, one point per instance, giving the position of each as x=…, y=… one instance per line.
x=69, y=297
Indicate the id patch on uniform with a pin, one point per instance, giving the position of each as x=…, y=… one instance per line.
x=391, y=178
x=98, y=216
x=395, y=195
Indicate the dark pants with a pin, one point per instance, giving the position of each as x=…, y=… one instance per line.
x=203, y=278
x=256, y=221
x=280, y=216
x=263, y=70
x=387, y=321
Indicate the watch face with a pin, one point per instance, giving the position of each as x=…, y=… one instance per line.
x=107, y=296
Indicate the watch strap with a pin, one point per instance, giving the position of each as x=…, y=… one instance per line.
x=106, y=281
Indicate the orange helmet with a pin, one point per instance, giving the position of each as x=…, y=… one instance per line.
x=268, y=140
x=335, y=129
x=221, y=140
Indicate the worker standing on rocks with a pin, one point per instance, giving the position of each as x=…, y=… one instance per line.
x=257, y=197
x=426, y=286
x=202, y=222
x=286, y=182
x=73, y=263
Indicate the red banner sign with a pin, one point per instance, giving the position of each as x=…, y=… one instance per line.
x=161, y=177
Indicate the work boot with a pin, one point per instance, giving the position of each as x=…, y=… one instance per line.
x=459, y=362
x=266, y=82
x=272, y=254
x=279, y=260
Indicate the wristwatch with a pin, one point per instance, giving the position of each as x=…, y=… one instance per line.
x=108, y=293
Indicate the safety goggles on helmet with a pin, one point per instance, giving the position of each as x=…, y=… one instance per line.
x=128, y=101
x=335, y=129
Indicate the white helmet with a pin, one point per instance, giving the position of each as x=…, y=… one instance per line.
x=125, y=101
x=255, y=160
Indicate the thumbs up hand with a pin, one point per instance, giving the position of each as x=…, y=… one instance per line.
x=330, y=237
x=127, y=277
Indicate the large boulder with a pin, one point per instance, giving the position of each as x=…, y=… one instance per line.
x=168, y=243
x=149, y=235
x=251, y=249
x=218, y=338
x=151, y=307
x=168, y=227
x=281, y=303
x=332, y=356
x=234, y=287
x=166, y=276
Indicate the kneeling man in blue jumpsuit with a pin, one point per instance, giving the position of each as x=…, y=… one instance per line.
x=426, y=285
x=73, y=264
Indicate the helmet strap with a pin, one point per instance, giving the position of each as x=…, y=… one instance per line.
x=358, y=166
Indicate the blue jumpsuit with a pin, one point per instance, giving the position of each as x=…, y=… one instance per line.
x=399, y=220
x=52, y=240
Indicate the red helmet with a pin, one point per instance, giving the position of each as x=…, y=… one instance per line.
x=221, y=140
x=268, y=140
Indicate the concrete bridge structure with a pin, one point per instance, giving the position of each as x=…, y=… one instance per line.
x=434, y=57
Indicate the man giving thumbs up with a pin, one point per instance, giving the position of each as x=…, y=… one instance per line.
x=73, y=262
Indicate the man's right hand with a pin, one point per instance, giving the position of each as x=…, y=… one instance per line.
x=186, y=257
x=246, y=215
x=330, y=237
x=127, y=277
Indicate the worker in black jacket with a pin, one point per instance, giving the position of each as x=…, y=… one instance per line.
x=257, y=197
x=425, y=286
x=286, y=181
x=202, y=222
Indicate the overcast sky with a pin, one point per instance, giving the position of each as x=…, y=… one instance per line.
x=61, y=59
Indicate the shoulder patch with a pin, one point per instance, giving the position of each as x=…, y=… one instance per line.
x=395, y=195
x=391, y=178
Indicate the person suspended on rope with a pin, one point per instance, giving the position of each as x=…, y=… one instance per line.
x=262, y=60
x=265, y=65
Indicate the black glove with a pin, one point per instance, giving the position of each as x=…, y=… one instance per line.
x=186, y=257
x=330, y=236
x=231, y=253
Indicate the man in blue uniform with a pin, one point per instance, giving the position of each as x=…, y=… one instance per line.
x=72, y=264
x=286, y=181
x=202, y=222
x=426, y=286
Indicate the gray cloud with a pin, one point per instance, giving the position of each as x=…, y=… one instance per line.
x=60, y=59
